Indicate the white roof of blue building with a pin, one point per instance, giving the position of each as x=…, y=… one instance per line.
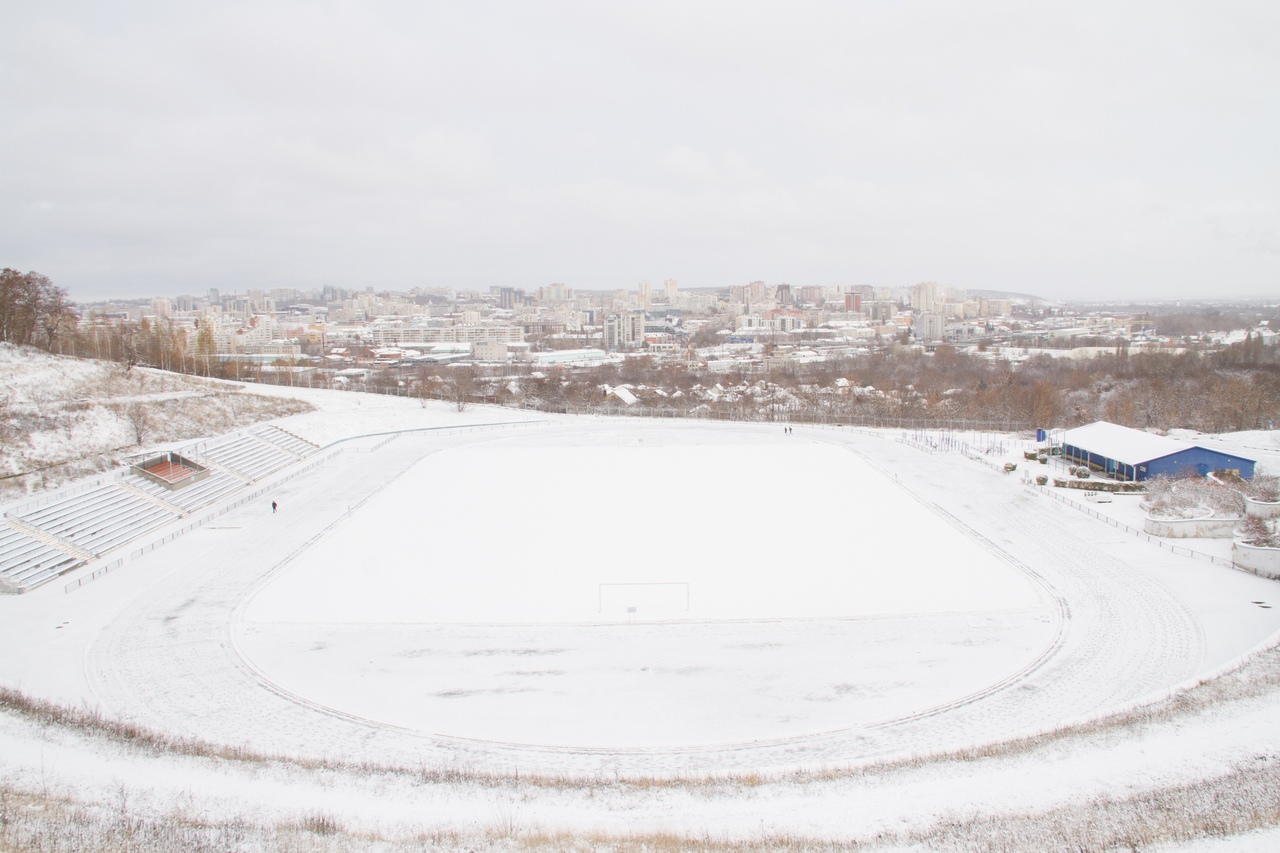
x=1130, y=446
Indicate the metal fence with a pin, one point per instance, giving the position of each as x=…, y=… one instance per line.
x=1141, y=534
x=800, y=416
x=97, y=573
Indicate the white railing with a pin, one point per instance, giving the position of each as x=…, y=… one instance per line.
x=1133, y=531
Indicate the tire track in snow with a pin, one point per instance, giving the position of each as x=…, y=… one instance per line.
x=168, y=660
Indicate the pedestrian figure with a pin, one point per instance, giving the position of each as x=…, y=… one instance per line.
x=273, y=506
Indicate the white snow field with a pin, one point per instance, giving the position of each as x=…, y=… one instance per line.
x=597, y=599
x=566, y=588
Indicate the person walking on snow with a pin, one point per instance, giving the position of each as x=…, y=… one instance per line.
x=273, y=507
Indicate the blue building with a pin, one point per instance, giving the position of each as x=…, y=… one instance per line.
x=1131, y=454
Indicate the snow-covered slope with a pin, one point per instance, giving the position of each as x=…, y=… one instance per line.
x=63, y=418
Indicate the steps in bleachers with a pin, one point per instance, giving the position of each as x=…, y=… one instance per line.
x=100, y=519
x=27, y=562
x=299, y=447
x=250, y=457
x=129, y=484
x=217, y=485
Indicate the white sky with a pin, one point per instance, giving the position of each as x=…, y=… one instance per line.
x=1074, y=149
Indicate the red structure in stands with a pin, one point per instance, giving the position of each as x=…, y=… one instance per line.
x=171, y=470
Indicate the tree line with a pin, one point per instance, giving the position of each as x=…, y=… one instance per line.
x=1232, y=389
x=33, y=310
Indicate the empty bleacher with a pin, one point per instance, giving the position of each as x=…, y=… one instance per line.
x=190, y=498
x=108, y=516
x=250, y=457
x=26, y=562
x=100, y=519
x=290, y=442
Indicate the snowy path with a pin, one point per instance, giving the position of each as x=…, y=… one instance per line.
x=169, y=660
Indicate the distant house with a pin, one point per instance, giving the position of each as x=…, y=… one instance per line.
x=1131, y=454
x=623, y=394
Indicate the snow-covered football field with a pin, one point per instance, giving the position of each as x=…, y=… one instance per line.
x=615, y=586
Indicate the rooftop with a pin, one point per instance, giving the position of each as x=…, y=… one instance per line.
x=1123, y=444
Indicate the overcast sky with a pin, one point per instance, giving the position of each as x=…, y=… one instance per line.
x=1065, y=149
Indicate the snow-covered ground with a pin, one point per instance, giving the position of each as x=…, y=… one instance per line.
x=489, y=574
x=460, y=599
x=65, y=418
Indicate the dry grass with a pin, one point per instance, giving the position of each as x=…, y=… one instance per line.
x=1248, y=798
x=1244, y=799
x=52, y=825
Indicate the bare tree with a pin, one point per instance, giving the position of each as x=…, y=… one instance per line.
x=463, y=386
x=32, y=308
x=56, y=314
x=139, y=419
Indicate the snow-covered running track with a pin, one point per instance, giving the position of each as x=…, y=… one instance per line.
x=170, y=656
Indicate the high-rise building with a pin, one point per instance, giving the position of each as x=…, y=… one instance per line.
x=930, y=327
x=924, y=296
x=669, y=289
x=623, y=331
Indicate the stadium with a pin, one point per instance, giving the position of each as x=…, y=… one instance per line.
x=488, y=596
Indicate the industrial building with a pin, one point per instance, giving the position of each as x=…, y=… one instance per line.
x=1131, y=454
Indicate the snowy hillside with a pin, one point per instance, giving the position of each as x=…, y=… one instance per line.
x=63, y=418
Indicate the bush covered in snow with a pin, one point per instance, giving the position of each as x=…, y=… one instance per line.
x=1258, y=532
x=1193, y=497
x=1262, y=488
